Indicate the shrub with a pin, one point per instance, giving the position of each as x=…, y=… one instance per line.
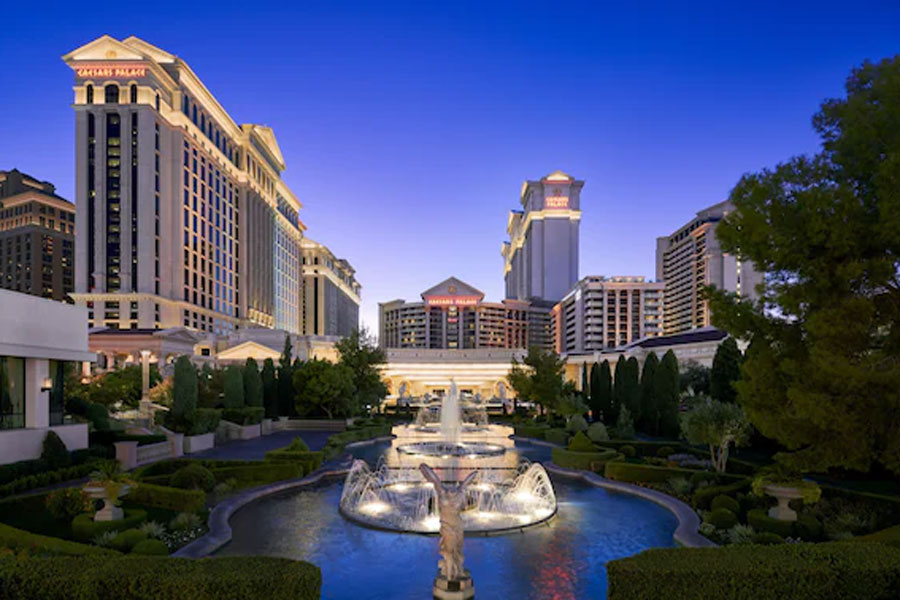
x=703, y=496
x=234, y=388
x=808, y=528
x=576, y=424
x=226, y=578
x=54, y=452
x=205, y=420
x=581, y=443
x=84, y=528
x=847, y=571
x=193, y=477
x=740, y=534
x=309, y=459
x=128, y=539
x=665, y=451
x=38, y=480
x=184, y=394
x=726, y=502
x=703, y=477
x=532, y=431
x=167, y=497
x=628, y=450
x=98, y=415
x=185, y=521
x=67, y=503
x=151, y=548
x=632, y=472
x=248, y=415
x=760, y=521
x=890, y=536
x=570, y=459
x=298, y=444
x=682, y=486
x=105, y=539
x=259, y=474
x=624, y=424
x=153, y=529
x=721, y=518
x=767, y=538
x=597, y=432
x=556, y=436
x=18, y=540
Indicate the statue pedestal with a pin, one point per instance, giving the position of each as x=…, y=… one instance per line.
x=453, y=589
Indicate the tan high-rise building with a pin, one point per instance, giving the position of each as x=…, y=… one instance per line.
x=692, y=258
x=607, y=312
x=331, y=294
x=182, y=214
x=37, y=237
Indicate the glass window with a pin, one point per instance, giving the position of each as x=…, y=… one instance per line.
x=112, y=94
x=90, y=94
x=133, y=93
x=57, y=391
x=12, y=392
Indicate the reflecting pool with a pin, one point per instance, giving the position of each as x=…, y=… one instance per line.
x=561, y=559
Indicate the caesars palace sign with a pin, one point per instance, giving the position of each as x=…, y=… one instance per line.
x=122, y=71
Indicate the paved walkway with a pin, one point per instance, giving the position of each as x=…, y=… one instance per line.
x=256, y=448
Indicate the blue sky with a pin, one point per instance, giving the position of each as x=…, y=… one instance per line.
x=408, y=128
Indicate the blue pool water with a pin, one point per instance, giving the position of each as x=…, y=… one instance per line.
x=564, y=559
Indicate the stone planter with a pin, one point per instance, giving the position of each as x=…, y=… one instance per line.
x=199, y=443
x=248, y=432
x=784, y=494
x=266, y=427
x=109, y=511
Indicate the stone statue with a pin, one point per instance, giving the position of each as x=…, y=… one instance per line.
x=451, y=500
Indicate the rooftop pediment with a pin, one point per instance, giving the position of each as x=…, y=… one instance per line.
x=103, y=48
x=452, y=287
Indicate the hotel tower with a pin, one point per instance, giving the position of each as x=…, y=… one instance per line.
x=182, y=216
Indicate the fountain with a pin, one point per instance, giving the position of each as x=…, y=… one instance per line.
x=506, y=494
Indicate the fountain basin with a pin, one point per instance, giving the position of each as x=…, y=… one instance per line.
x=452, y=449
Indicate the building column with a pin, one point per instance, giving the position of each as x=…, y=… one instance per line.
x=37, y=397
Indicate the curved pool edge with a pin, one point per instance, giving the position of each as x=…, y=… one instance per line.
x=219, y=533
x=687, y=533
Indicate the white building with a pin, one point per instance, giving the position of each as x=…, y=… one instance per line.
x=606, y=312
x=331, y=294
x=37, y=338
x=692, y=258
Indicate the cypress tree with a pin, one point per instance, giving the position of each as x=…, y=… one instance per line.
x=666, y=385
x=585, y=385
x=726, y=369
x=632, y=386
x=184, y=392
x=253, y=388
x=596, y=398
x=620, y=385
x=647, y=417
x=604, y=389
x=234, y=387
x=270, y=389
x=285, y=390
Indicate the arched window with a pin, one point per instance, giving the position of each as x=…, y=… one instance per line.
x=90, y=94
x=157, y=102
x=112, y=94
x=133, y=94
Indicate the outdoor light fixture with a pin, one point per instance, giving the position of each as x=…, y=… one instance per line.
x=47, y=385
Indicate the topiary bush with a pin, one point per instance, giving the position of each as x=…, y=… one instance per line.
x=151, y=548
x=67, y=503
x=726, y=502
x=193, y=477
x=760, y=521
x=85, y=529
x=581, y=443
x=18, y=540
x=98, y=415
x=556, y=436
x=128, y=539
x=54, y=452
x=170, y=498
x=767, y=538
x=665, y=451
x=628, y=451
x=808, y=528
x=597, y=432
x=576, y=423
x=297, y=444
x=722, y=518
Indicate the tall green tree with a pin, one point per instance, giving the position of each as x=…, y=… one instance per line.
x=620, y=385
x=184, y=393
x=362, y=356
x=695, y=379
x=585, y=382
x=726, y=370
x=601, y=392
x=632, y=386
x=717, y=425
x=822, y=374
x=647, y=419
x=234, y=387
x=666, y=392
x=286, y=392
x=253, y=386
x=539, y=378
x=326, y=389
x=270, y=388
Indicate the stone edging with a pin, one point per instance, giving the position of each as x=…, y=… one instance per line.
x=685, y=534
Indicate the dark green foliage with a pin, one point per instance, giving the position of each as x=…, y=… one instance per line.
x=155, y=578
x=151, y=548
x=628, y=451
x=234, y=387
x=263, y=472
x=85, y=529
x=833, y=571
x=205, y=421
x=581, y=443
x=210, y=387
x=253, y=386
x=248, y=415
x=593, y=459
x=128, y=539
x=665, y=451
x=324, y=389
x=98, y=415
x=695, y=378
x=54, y=452
x=821, y=373
x=170, y=498
x=539, y=378
x=585, y=382
x=43, y=479
x=808, y=528
x=286, y=395
x=297, y=444
x=336, y=441
x=703, y=477
x=666, y=396
x=18, y=540
x=602, y=400
x=120, y=385
x=532, y=431
x=360, y=354
x=703, y=496
x=726, y=502
x=721, y=518
x=760, y=521
x=726, y=369
x=890, y=536
x=184, y=394
x=67, y=503
x=767, y=538
x=193, y=477
x=634, y=472
x=647, y=418
x=557, y=436
x=270, y=389
x=620, y=385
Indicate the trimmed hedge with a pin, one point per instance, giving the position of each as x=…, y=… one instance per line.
x=84, y=528
x=643, y=448
x=166, y=497
x=309, y=459
x=532, y=431
x=556, y=436
x=108, y=438
x=703, y=497
x=721, y=518
x=248, y=415
x=571, y=459
x=259, y=474
x=336, y=442
x=128, y=539
x=890, y=536
x=17, y=539
x=151, y=548
x=39, y=480
x=760, y=521
x=833, y=570
x=726, y=502
x=634, y=472
x=155, y=578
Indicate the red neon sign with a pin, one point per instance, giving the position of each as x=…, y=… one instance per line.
x=116, y=71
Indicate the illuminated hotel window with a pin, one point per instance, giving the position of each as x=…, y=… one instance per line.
x=111, y=94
